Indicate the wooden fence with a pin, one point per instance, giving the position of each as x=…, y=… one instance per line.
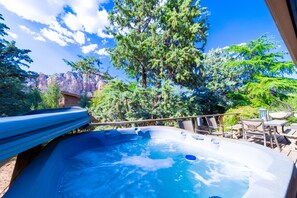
x=161, y=121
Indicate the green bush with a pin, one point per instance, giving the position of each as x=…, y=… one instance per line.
x=244, y=111
x=120, y=101
x=292, y=101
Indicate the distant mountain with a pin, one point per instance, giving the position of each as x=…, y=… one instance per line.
x=72, y=82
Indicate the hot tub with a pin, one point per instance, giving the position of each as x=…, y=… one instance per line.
x=155, y=162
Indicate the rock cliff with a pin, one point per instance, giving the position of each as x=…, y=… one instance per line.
x=72, y=82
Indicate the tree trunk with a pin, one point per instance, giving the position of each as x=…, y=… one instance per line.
x=143, y=76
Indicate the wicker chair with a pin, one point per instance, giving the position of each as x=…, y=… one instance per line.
x=279, y=110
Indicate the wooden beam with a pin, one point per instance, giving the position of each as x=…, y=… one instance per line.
x=23, y=160
x=280, y=12
x=158, y=120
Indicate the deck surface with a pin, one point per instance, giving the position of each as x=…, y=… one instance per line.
x=285, y=147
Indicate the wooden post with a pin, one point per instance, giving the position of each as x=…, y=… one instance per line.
x=221, y=121
x=194, y=120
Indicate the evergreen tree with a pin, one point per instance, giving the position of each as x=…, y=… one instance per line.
x=263, y=70
x=158, y=40
x=84, y=100
x=119, y=101
x=51, y=97
x=218, y=76
x=259, y=58
x=14, y=99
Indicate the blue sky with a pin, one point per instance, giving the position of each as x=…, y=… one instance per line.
x=57, y=29
x=235, y=22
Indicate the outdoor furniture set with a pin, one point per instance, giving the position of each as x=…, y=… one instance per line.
x=266, y=128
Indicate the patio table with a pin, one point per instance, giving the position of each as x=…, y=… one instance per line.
x=272, y=124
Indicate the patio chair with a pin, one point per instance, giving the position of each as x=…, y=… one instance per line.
x=214, y=128
x=186, y=124
x=189, y=126
x=255, y=129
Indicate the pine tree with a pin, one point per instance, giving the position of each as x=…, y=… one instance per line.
x=14, y=98
x=158, y=40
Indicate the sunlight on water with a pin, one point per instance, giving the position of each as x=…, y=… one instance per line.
x=146, y=163
x=152, y=168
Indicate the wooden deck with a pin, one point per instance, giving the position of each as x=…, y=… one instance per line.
x=284, y=145
x=286, y=149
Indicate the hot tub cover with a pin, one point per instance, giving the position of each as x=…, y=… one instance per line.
x=20, y=133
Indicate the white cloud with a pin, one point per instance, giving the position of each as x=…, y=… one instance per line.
x=226, y=47
x=104, y=41
x=79, y=37
x=71, y=22
x=35, y=10
x=101, y=34
x=39, y=38
x=87, y=17
x=56, y=33
x=36, y=36
x=12, y=35
x=54, y=36
x=59, y=29
x=89, y=48
x=26, y=29
x=102, y=52
x=241, y=44
x=60, y=26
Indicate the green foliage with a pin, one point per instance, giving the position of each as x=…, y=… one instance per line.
x=292, y=101
x=119, y=101
x=221, y=82
x=241, y=77
x=35, y=98
x=218, y=77
x=249, y=74
x=178, y=50
x=235, y=99
x=159, y=40
x=84, y=100
x=264, y=90
x=246, y=112
x=51, y=97
x=86, y=65
x=14, y=98
x=260, y=58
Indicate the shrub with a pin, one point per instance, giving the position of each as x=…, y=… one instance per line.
x=247, y=112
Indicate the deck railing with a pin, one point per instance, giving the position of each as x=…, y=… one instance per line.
x=161, y=121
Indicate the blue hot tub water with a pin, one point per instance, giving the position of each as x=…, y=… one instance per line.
x=151, y=162
x=151, y=168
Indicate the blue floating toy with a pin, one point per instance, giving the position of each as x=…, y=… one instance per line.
x=190, y=157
